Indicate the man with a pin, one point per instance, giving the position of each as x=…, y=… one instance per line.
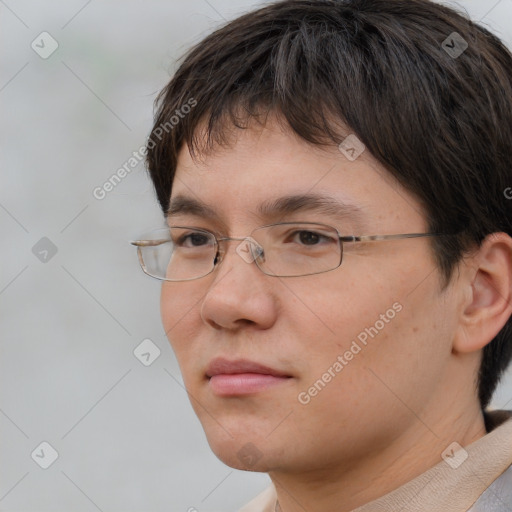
x=338, y=268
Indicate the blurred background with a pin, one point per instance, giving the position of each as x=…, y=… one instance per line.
x=90, y=419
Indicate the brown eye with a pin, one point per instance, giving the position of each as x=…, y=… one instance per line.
x=305, y=237
x=309, y=237
x=194, y=240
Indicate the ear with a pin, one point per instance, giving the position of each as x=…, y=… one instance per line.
x=487, y=286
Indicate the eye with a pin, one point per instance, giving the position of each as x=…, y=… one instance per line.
x=311, y=237
x=194, y=239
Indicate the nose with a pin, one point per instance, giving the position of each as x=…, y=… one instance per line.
x=239, y=293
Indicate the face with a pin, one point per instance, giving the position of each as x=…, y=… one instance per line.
x=345, y=349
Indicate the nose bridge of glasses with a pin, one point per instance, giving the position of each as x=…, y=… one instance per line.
x=248, y=249
x=226, y=238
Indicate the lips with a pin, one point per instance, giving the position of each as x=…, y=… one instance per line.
x=224, y=366
x=242, y=377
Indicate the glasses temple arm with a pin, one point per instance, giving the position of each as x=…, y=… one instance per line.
x=372, y=238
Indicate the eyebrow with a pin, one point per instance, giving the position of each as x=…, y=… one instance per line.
x=273, y=208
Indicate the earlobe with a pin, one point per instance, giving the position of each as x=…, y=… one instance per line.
x=489, y=283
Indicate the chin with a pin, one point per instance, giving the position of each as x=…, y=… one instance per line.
x=241, y=451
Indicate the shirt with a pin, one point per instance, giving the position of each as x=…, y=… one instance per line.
x=482, y=482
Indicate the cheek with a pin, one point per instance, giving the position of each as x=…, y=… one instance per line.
x=336, y=312
x=351, y=389
x=179, y=310
x=368, y=337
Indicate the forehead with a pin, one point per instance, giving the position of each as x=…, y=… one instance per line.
x=266, y=170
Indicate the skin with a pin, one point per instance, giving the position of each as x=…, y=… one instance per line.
x=407, y=395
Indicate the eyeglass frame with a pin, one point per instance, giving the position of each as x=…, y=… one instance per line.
x=218, y=259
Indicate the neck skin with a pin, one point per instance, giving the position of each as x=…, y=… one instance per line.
x=419, y=448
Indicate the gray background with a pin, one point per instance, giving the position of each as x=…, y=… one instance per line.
x=125, y=433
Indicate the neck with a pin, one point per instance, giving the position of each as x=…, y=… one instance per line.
x=348, y=486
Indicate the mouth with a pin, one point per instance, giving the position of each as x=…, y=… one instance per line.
x=242, y=377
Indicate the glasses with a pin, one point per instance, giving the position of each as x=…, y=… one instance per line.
x=286, y=249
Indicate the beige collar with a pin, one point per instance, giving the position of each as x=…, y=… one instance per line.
x=445, y=489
